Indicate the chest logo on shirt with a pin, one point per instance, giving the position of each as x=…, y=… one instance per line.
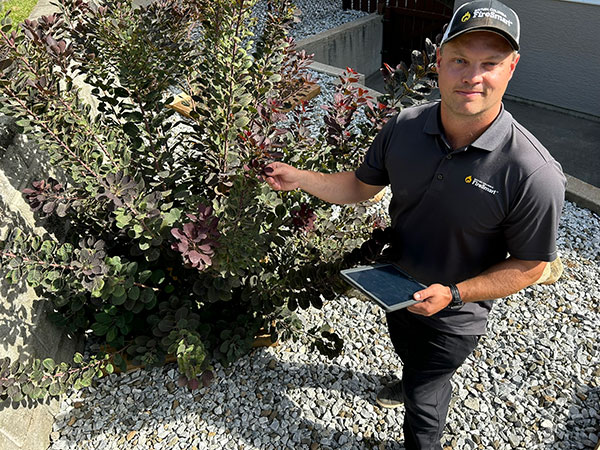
x=481, y=185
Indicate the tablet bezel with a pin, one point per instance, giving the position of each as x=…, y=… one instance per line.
x=396, y=306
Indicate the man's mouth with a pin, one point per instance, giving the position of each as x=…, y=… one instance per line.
x=469, y=93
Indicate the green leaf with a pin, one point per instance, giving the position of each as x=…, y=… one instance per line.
x=103, y=318
x=47, y=248
x=144, y=275
x=14, y=392
x=134, y=116
x=34, y=277
x=131, y=129
x=78, y=358
x=109, y=368
x=100, y=329
x=153, y=254
x=119, y=299
x=134, y=293
x=55, y=389
x=112, y=334
x=280, y=211
x=245, y=99
x=120, y=92
x=119, y=291
x=241, y=122
x=49, y=364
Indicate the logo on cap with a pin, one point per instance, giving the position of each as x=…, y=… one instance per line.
x=466, y=17
x=468, y=179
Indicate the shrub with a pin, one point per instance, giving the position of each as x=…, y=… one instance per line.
x=174, y=244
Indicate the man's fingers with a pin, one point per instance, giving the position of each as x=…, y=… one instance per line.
x=422, y=294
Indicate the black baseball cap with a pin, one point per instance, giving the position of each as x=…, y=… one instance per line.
x=485, y=15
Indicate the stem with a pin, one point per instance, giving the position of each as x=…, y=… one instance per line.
x=232, y=81
x=147, y=126
x=37, y=261
x=68, y=372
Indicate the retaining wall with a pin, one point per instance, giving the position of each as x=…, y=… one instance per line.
x=356, y=44
x=24, y=330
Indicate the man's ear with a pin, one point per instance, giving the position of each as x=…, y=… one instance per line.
x=513, y=64
x=438, y=56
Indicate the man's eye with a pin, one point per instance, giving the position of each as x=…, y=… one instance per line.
x=459, y=61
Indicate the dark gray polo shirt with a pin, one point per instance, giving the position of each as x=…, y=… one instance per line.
x=456, y=213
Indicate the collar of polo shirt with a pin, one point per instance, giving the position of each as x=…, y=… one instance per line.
x=492, y=138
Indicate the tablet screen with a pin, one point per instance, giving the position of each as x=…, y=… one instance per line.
x=384, y=283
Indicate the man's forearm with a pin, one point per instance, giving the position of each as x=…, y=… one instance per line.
x=503, y=279
x=341, y=188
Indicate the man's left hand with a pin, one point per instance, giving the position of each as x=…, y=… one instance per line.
x=431, y=300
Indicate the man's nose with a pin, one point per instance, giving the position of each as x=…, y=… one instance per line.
x=472, y=75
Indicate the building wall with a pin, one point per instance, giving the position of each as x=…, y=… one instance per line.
x=560, y=61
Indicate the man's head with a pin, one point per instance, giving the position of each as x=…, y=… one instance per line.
x=477, y=59
x=485, y=15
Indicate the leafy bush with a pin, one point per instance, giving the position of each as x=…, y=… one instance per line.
x=174, y=244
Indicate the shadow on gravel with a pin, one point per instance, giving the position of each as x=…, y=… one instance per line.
x=266, y=411
x=582, y=427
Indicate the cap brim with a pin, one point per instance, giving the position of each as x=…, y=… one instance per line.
x=514, y=44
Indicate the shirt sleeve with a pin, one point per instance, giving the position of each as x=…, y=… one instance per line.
x=372, y=170
x=531, y=227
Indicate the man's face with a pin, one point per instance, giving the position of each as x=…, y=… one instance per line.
x=474, y=70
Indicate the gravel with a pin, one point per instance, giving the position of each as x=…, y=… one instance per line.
x=315, y=16
x=533, y=382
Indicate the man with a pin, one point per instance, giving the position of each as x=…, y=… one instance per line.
x=470, y=186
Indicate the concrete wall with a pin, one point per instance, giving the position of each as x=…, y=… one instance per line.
x=356, y=44
x=560, y=59
x=24, y=330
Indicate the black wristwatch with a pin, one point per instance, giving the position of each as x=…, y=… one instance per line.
x=456, y=301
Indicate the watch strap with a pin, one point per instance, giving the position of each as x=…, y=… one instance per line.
x=456, y=301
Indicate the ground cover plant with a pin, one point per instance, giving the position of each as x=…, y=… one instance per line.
x=169, y=241
x=20, y=9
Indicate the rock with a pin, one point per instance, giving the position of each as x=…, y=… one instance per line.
x=472, y=403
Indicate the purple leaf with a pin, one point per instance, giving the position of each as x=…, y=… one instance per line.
x=177, y=233
x=49, y=207
x=195, y=257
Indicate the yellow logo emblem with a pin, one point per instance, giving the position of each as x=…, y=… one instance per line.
x=466, y=17
x=468, y=179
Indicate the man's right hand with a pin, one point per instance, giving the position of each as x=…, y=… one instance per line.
x=340, y=188
x=282, y=177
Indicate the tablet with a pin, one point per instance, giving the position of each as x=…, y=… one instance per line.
x=385, y=284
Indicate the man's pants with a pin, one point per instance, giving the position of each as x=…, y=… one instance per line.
x=430, y=358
